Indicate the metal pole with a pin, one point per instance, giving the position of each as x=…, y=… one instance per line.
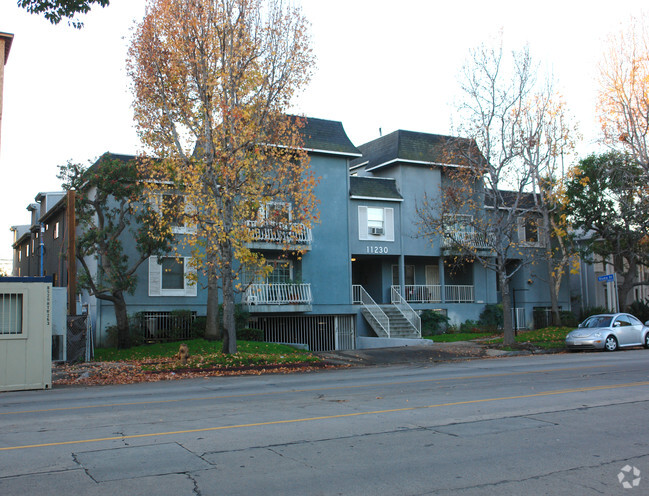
x=617, y=293
x=42, y=246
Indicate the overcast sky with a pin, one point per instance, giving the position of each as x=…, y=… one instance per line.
x=380, y=65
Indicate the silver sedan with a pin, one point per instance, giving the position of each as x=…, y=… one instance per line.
x=608, y=332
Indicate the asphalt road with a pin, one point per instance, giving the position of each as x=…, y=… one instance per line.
x=551, y=424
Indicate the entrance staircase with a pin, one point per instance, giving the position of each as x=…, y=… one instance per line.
x=397, y=320
x=400, y=327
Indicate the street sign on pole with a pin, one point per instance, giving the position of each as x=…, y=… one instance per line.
x=610, y=278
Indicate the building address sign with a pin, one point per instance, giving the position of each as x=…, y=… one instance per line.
x=376, y=250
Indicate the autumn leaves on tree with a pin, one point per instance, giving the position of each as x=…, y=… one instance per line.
x=212, y=81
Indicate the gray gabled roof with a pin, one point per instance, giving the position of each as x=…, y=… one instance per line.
x=507, y=199
x=417, y=148
x=374, y=187
x=325, y=136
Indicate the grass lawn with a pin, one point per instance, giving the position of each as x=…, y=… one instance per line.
x=206, y=354
x=549, y=337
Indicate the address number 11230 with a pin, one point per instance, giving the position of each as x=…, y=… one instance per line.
x=376, y=250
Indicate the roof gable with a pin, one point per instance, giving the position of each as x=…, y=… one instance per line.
x=417, y=148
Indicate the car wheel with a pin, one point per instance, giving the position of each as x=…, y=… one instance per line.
x=610, y=344
x=646, y=340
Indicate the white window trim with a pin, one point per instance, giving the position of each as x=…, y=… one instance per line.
x=155, y=279
x=388, y=225
x=186, y=227
x=263, y=210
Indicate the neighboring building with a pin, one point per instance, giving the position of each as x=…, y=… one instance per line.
x=5, y=47
x=47, y=225
x=361, y=272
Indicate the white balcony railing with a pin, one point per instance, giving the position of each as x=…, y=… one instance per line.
x=467, y=238
x=420, y=293
x=278, y=294
x=459, y=294
x=280, y=232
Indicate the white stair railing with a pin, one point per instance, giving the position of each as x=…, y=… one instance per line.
x=406, y=310
x=361, y=296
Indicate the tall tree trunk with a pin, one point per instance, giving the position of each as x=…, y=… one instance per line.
x=629, y=280
x=212, y=328
x=121, y=317
x=229, y=327
x=508, y=326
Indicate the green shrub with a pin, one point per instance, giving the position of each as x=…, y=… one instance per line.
x=433, y=322
x=250, y=334
x=568, y=319
x=198, y=327
x=135, y=333
x=588, y=311
x=639, y=309
x=492, y=316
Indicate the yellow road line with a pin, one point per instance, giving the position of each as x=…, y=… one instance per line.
x=329, y=417
x=336, y=388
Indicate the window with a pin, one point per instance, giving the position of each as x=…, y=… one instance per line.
x=528, y=231
x=173, y=273
x=282, y=273
x=622, y=321
x=276, y=212
x=11, y=313
x=409, y=279
x=171, y=276
x=174, y=207
x=458, y=223
x=27, y=250
x=375, y=223
x=56, y=230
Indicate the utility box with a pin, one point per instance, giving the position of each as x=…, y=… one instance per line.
x=25, y=333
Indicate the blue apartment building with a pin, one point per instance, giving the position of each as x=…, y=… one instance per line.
x=362, y=274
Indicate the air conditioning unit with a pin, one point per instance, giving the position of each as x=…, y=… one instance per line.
x=376, y=230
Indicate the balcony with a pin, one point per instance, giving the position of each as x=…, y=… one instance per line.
x=469, y=238
x=420, y=293
x=275, y=236
x=284, y=297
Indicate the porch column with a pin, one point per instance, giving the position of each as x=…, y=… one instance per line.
x=442, y=280
x=402, y=276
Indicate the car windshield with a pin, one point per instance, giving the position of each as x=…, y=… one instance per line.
x=597, y=321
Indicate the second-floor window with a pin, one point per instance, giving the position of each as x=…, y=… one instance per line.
x=175, y=209
x=56, y=230
x=282, y=273
x=375, y=223
x=275, y=212
x=528, y=231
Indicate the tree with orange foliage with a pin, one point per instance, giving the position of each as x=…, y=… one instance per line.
x=624, y=90
x=212, y=80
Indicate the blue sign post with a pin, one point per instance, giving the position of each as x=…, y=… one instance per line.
x=610, y=278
